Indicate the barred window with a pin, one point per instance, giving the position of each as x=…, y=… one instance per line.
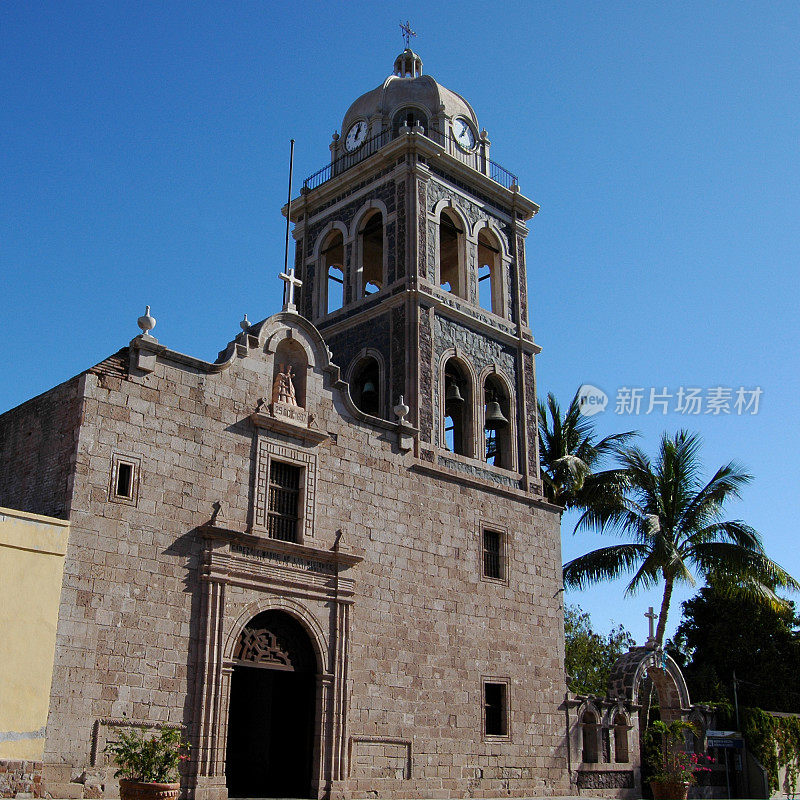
x=495, y=709
x=284, y=500
x=492, y=554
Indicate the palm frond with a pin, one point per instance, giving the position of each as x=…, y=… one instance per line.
x=603, y=564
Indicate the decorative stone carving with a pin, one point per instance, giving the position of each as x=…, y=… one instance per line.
x=283, y=387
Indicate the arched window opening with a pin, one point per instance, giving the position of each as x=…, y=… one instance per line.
x=365, y=386
x=490, y=286
x=333, y=270
x=451, y=274
x=620, y=739
x=372, y=255
x=408, y=117
x=589, y=728
x=457, y=401
x=497, y=424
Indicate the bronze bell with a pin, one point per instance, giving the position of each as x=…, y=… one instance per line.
x=494, y=416
x=368, y=392
x=453, y=395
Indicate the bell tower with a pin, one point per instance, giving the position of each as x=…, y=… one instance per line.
x=411, y=247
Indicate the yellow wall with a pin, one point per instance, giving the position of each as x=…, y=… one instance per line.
x=32, y=550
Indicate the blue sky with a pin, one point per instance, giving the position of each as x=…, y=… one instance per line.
x=144, y=158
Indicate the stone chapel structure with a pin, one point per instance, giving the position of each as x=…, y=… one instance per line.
x=326, y=555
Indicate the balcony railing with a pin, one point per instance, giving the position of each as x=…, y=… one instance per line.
x=473, y=158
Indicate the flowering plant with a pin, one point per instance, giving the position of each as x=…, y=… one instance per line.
x=675, y=765
x=146, y=756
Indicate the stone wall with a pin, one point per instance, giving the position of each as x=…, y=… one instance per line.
x=21, y=778
x=425, y=628
x=38, y=444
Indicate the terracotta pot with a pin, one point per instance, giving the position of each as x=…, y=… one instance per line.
x=138, y=790
x=669, y=790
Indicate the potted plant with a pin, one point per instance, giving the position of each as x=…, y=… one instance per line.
x=148, y=762
x=675, y=769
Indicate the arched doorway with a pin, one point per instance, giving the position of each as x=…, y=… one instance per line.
x=272, y=710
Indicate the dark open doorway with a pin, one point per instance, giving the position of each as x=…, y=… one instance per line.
x=272, y=710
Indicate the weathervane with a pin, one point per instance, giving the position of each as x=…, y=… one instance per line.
x=407, y=33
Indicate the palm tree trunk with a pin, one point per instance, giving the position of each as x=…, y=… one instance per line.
x=662, y=614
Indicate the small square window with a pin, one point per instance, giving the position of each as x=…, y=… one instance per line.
x=124, y=483
x=495, y=707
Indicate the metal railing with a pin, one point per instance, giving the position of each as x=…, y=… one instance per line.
x=474, y=158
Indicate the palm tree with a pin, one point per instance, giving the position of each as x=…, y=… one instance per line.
x=676, y=523
x=569, y=457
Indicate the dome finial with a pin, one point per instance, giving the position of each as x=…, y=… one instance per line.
x=407, y=34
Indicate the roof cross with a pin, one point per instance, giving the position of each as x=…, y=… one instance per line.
x=407, y=33
x=291, y=283
x=651, y=618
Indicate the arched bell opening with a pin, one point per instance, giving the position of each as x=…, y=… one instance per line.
x=452, y=275
x=332, y=272
x=371, y=251
x=457, y=409
x=490, y=273
x=366, y=386
x=497, y=424
x=272, y=715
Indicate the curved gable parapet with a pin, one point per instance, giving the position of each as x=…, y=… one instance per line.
x=272, y=330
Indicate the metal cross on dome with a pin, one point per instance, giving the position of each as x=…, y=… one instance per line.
x=407, y=33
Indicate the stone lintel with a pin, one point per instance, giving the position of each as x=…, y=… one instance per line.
x=280, y=422
x=338, y=558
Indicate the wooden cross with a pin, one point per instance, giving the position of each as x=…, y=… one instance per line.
x=407, y=33
x=288, y=292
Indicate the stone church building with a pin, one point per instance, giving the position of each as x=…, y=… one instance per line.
x=325, y=555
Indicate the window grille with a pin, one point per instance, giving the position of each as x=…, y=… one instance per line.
x=492, y=555
x=284, y=501
x=496, y=719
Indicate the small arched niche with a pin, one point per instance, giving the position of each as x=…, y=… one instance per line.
x=332, y=273
x=497, y=424
x=621, y=738
x=366, y=386
x=457, y=408
x=490, y=273
x=291, y=360
x=371, y=250
x=590, y=727
x=452, y=275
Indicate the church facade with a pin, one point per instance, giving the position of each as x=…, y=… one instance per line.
x=326, y=556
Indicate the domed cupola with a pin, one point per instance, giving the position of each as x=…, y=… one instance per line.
x=408, y=64
x=406, y=99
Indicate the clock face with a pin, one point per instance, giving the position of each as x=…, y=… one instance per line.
x=355, y=136
x=464, y=135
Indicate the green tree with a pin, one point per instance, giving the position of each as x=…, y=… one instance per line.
x=721, y=635
x=570, y=456
x=676, y=523
x=589, y=656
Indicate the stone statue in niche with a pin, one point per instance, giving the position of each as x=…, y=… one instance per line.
x=283, y=386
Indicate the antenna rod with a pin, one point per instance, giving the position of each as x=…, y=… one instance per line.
x=289, y=208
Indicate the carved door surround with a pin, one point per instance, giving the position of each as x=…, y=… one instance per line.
x=285, y=576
